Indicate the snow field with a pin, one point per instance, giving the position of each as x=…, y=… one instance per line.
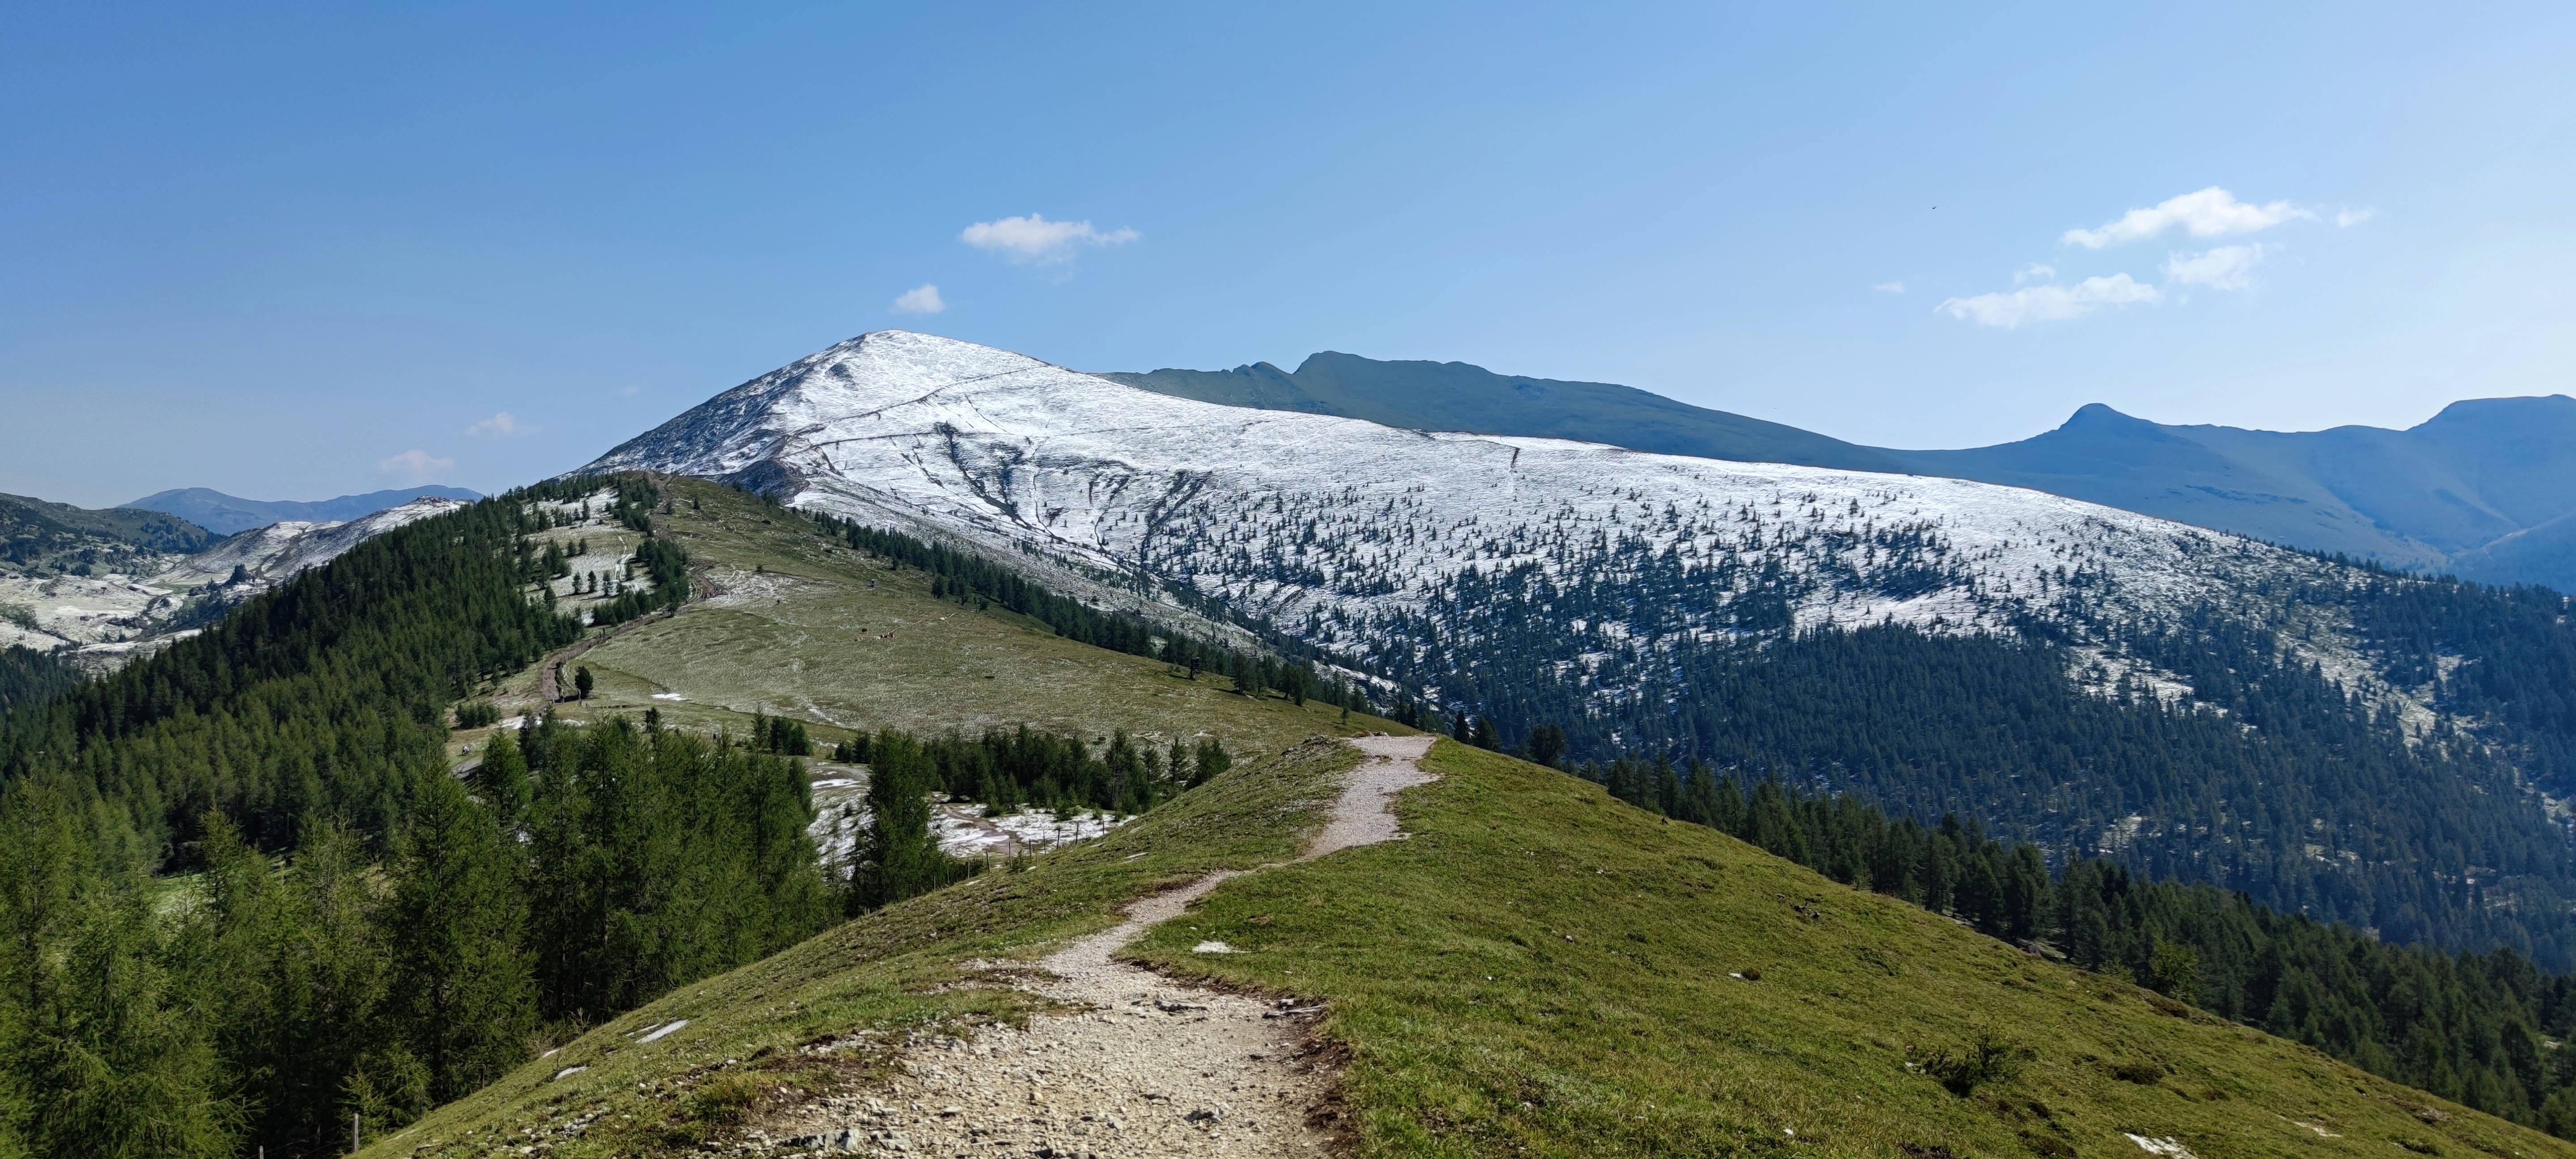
x=1352, y=535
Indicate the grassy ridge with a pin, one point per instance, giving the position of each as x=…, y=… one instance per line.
x=1541, y=970
x=865, y=986
x=1538, y=970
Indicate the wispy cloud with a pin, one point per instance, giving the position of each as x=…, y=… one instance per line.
x=2206, y=213
x=1035, y=239
x=1889, y=287
x=2211, y=212
x=503, y=424
x=920, y=300
x=2227, y=267
x=415, y=464
x=2050, y=303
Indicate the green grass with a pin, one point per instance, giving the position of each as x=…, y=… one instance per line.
x=1537, y=970
x=868, y=985
x=1542, y=970
x=810, y=647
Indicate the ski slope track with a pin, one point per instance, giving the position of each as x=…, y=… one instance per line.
x=1367, y=541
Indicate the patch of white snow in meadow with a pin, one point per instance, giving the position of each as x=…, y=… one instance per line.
x=841, y=817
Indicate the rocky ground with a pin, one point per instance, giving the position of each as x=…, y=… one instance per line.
x=1139, y=1065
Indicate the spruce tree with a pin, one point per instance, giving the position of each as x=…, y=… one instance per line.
x=109, y=1053
x=1546, y=745
x=898, y=857
x=1212, y=760
x=464, y=986
x=502, y=779
x=296, y=967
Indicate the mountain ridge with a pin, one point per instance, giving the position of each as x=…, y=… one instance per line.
x=2481, y=489
x=1350, y=386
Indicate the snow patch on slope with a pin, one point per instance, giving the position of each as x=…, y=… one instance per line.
x=841, y=817
x=271, y=555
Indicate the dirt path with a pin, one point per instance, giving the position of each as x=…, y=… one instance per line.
x=549, y=691
x=1145, y=1066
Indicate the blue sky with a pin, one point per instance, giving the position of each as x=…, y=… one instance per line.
x=277, y=250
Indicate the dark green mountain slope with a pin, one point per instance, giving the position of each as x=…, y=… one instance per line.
x=59, y=536
x=1453, y=396
x=2486, y=489
x=2329, y=809
x=225, y=514
x=413, y=940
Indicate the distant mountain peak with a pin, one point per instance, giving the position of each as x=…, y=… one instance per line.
x=2097, y=412
x=2100, y=419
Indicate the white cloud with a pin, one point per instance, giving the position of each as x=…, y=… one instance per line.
x=2050, y=303
x=920, y=300
x=2228, y=267
x=2035, y=272
x=503, y=424
x=1035, y=239
x=1889, y=287
x=2211, y=212
x=418, y=464
x=2348, y=217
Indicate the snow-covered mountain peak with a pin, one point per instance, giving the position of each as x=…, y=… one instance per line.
x=1352, y=535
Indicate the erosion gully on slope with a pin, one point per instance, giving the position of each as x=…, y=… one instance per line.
x=1141, y=1065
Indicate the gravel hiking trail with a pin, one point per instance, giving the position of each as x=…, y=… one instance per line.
x=1140, y=1065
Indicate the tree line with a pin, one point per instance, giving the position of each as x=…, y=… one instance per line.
x=1010, y=769
x=2332, y=805
x=243, y=897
